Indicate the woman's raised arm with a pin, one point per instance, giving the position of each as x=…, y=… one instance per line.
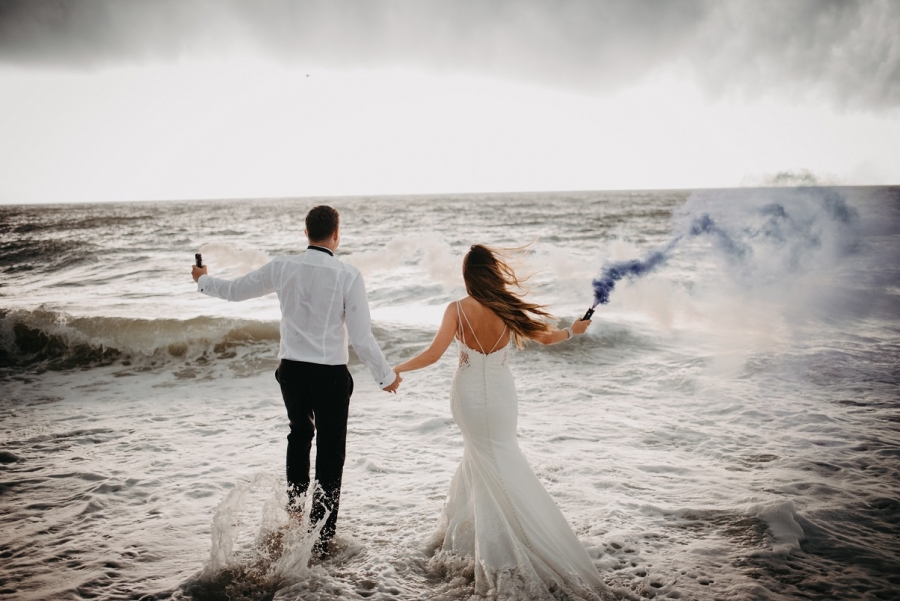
x=554, y=335
x=441, y=341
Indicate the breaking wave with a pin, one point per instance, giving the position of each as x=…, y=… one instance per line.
x=51, y=340
x=43, y=340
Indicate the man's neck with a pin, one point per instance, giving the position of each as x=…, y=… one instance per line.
x=326, y=248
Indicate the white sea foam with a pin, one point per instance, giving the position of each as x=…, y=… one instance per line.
x=781, y=519
x=428, y=251
x=232, y=261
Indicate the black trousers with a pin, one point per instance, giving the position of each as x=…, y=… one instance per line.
x=317, y=399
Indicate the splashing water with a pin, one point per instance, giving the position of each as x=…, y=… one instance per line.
x=789, y=221
x=254, y=554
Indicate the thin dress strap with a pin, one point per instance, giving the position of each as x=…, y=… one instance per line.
x=502, y=334
x=459, y=329
x=460, y=309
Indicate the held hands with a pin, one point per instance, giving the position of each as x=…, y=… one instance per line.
x=393, y=387
x=196, y=272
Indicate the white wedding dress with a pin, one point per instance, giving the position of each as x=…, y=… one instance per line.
x=497, y=512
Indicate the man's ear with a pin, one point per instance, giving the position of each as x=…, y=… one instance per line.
x=306, y=232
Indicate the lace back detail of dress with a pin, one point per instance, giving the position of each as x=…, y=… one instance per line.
x=463, y=355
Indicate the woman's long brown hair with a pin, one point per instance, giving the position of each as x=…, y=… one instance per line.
x=488, y=278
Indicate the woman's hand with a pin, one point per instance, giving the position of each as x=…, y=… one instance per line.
x=580, y=325
x=395, y=385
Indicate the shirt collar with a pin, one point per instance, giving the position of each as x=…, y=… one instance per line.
x=320, y=249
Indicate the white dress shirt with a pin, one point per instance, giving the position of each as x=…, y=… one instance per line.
x=323, y=300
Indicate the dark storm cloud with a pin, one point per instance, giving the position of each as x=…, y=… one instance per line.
x=849, y=51
x=846, y=51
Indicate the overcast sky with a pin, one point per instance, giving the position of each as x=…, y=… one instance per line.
x=180, y=99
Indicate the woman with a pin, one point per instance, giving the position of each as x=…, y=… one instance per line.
x=497, y=511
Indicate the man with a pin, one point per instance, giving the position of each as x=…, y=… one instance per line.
x=323, y=301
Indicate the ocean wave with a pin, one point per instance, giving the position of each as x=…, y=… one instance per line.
x=51, y=340
x=41, y=340
x=44, y=255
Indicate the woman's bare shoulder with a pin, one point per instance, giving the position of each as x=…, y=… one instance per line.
x=468, y=304
x=476, y=311
x=471, y=306
x=452, y=310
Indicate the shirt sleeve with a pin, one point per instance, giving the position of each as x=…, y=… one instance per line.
x=359, y=330
x=254, y=284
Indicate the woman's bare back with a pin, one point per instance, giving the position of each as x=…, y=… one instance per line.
x=482, y=330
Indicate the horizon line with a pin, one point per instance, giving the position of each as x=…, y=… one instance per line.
x=435, y=194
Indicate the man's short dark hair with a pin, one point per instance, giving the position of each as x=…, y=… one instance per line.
x=321, y=223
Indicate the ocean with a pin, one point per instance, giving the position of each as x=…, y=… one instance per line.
x=728, y=428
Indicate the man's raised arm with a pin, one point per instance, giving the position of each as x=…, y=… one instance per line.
x=256, y=283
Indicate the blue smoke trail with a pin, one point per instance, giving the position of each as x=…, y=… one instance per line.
x=790, y=222
x=605, y=283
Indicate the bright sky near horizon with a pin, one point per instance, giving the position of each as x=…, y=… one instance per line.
x=88, y=119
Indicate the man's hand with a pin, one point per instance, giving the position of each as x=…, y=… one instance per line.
x=393, y=387
x=196, y=272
